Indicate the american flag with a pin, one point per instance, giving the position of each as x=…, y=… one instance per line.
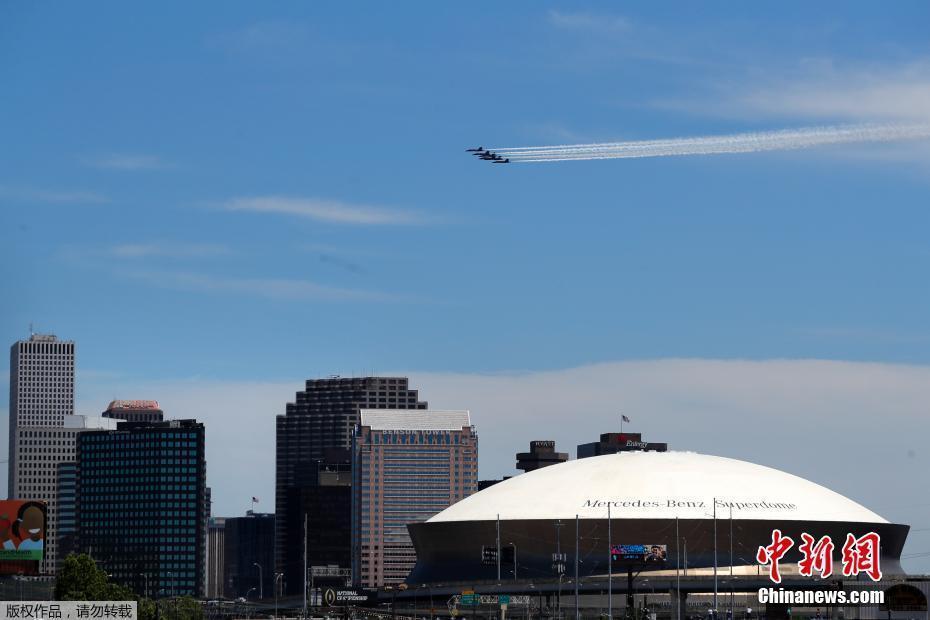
x=254, y=500
x=625, y=419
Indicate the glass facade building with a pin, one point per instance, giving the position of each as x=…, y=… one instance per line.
x=141, y=505
x=322, y=498
x=315, y=434
x=249, y=544
x=407, y=466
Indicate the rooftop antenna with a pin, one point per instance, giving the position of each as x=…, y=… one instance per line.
x=31, y=331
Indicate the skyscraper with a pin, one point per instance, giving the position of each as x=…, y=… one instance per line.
x=321, y=498
x=316, y=432
x=43, y=427
x=407, y=466
x=41, y=395
x=141, y=505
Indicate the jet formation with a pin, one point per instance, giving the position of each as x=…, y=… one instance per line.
x=487, y=155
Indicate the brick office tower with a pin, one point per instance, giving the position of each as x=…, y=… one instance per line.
x=315, y=435
x=407, y=466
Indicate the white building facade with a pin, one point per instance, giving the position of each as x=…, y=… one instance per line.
x=43, y=427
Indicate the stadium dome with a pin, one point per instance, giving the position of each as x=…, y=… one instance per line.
x=665, y=498
x=659, y=485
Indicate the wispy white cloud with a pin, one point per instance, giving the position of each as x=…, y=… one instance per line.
x=126, y=161
x=818, y=90
x=589, y=21
x=271, y=288
x=325, y=210
x=823, y=420
x=821, y=90
x=52, y=196
x=167, y=249
x=826, y=91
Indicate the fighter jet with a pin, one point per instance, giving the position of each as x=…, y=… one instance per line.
x=502, y=161
x=477, y=150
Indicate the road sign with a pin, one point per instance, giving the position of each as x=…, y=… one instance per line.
x=503, y=599
x=469, y=599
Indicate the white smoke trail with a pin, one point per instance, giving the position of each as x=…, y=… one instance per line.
x=782, y=140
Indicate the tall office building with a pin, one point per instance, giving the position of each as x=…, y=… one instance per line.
x=135, y=411
x=321, y=500
x=41, y=395
x=541, y=454
x=249, y=556
x=142, y=505
x=43, y=428
x=216, y=557
x=407, y=466
x=315, y=428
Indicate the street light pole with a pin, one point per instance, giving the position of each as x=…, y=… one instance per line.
x=277, y=576
x=514, y=545
x=610, y=569
x=261, y=585
x=577, y=559
x=498, y=549
x=560, y=565
x=715, y=558
x=677, y=571
x=731, y=559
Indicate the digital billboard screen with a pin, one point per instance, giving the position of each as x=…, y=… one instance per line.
x=22, y=529
x=647, y=554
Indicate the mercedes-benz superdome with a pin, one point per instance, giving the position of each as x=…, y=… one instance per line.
x=684, y=500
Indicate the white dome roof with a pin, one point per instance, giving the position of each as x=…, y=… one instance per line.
x=657, y=485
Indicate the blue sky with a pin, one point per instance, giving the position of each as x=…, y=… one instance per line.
x=248, y=194
x=133, y=130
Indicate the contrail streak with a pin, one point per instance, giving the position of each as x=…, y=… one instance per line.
x=783, y=140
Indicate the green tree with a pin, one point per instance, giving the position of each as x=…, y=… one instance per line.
x=80, y=579
x=180, y=608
